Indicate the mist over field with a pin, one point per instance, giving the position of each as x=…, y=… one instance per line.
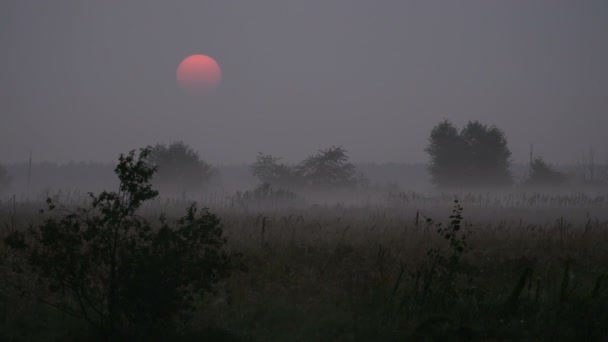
x=303, y=170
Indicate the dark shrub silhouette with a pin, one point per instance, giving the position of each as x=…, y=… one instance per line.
x=180, y=168
x=329, y=168
x=478, y=155
x=542, y=174
x=109, y=266
x=448, y=152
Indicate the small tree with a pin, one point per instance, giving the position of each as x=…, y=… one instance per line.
x=109, y=266
x=478, y=155
x=269, y=170
x=542, y=174
x=442, y=279
x=179, y=167
x=328, y=168
x=5, y=179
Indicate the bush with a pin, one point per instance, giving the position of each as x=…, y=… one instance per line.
x=180, y=168
x=329, y=168
x=109, y=266
x=542, y=174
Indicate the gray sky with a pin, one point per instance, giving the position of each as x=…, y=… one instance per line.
x=86, y=80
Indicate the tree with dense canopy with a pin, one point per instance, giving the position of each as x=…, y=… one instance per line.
x=180, y=168
x=478, y=155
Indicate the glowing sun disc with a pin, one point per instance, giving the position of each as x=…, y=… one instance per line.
x=199, y=75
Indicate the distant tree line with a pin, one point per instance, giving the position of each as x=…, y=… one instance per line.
x=327, y=169
x=478, y=156
x=475, y=156
x=180, y=169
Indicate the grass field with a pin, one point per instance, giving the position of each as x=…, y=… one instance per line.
x=536, y=269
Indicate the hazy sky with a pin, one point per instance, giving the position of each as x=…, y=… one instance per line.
x=86, y=80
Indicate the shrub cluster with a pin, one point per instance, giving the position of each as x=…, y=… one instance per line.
x=126, y=276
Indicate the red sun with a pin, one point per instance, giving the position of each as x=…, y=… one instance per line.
x=199, y=75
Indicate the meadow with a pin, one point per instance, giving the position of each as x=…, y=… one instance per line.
x=377, y=266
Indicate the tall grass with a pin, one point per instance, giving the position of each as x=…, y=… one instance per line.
x=360, y=269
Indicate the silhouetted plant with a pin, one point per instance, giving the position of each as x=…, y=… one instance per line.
x=109, y=266
x=329, y=168
x=180, y=168
x=478, y=155
x=445, y=262
x=455, y=235
x=542, y=173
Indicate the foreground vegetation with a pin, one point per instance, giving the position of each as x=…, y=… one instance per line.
x=329, y=261
x=383, y=272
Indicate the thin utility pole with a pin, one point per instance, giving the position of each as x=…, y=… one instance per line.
x=531, y=153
